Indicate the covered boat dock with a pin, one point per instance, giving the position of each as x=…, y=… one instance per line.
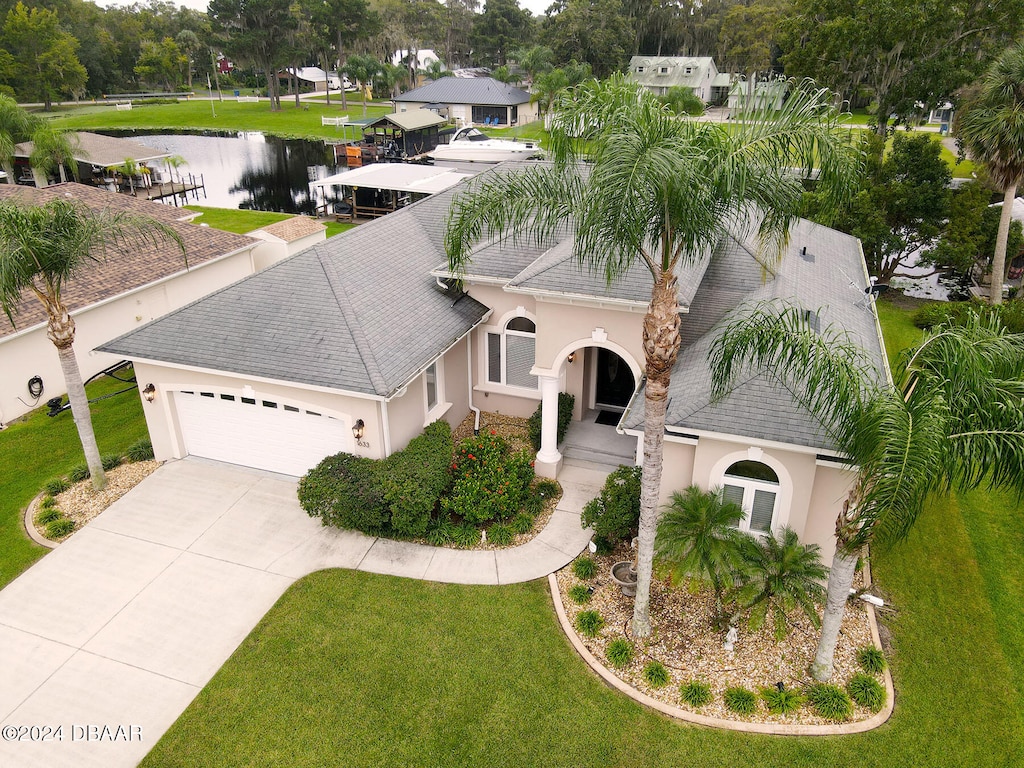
x=379, y=189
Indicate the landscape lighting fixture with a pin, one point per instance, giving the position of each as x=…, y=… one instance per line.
x=149, y=393
x=357, y=429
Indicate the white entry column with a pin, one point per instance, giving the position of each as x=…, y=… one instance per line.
x=549, y=460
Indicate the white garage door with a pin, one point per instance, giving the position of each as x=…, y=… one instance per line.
x=266, y=434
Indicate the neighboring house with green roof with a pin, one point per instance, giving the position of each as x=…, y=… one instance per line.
x=359, y=342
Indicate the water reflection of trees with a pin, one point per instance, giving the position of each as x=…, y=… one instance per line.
x=282, y=183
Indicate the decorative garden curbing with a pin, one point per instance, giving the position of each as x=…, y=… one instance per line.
x=780, y=729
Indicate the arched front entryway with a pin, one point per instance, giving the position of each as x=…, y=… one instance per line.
x=603, y=378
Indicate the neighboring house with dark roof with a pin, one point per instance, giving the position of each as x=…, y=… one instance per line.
x=359, y=342
x=122, y=292
x=471, y=100
x=699, y=73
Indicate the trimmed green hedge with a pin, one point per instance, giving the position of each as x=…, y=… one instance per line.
x=397, y=494
x=566, y=403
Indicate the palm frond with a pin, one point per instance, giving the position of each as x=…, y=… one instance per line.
x=826, y=371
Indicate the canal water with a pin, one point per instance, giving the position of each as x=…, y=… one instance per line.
x=247, y=170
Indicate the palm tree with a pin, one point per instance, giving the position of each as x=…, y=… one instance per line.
x=698, y=538
x=16, y=125
x=779, y=575
x=41, y=249
x=953, y=417
x=659, y=191
x=53, y=150
x=990, y=124
x=362, y=69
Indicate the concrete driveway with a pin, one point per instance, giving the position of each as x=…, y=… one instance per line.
x=107, y=639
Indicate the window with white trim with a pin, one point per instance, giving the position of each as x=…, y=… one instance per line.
x=755, y=487
x=430, y=380
x=510, y=354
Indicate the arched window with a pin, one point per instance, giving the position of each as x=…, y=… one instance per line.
x=510, y=354
x=755, y=487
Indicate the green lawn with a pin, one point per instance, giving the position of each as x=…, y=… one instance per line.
x=37, y=448
x=241, y=222
x=388, y=671
x=227, y=115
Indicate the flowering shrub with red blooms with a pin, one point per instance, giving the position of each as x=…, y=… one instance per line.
x=491, y=481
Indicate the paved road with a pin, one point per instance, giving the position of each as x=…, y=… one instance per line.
x=123, y=624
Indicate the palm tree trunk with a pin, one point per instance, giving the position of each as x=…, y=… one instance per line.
x=9, y=170
x=995, y=290
x=661, y=347
x=61, y=331
x=840, y=580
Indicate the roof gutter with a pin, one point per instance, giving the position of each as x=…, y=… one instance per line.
x=400, y=390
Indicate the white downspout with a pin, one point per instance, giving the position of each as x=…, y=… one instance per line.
x=469, y=390
x=386, y=427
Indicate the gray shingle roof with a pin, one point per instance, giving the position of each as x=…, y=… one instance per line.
x=359, y=313
x=485, y=91
x=829, y=280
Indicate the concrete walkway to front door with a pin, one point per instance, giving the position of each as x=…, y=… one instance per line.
x=123, y=624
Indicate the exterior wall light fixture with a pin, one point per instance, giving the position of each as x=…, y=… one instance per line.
x=358, y=428
x=149, y=393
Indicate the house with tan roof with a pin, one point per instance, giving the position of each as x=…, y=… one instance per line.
x=124, y=291
x=359, y=342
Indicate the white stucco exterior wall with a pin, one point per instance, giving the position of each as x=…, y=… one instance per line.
x=29, y=353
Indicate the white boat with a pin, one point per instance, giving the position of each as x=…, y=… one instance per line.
x=472, y=144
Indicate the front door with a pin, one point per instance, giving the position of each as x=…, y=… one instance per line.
x=614, y=381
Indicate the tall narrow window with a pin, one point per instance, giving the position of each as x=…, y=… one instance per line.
x=430, y=378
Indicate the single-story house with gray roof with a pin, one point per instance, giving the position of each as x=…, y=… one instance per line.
x=471, y=100
x=357, y=343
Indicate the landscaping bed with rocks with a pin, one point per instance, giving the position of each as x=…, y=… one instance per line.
x=690, y=648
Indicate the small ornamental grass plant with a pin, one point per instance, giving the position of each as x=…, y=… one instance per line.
x=871, y=660
x=584, y=567
x=695, y=693
x=62, y=526
x=589, y=623
x=47, y=515
x=141, y=450
x=78, y=473
x=830, y=702
x=466, y=535
x=109, y=461
x=56, y=486
x=866, y=691
x=619, y=652
x=740, y=700
x=782, y=701
x=500, y=534
x=655, y=674
x=580, y=594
